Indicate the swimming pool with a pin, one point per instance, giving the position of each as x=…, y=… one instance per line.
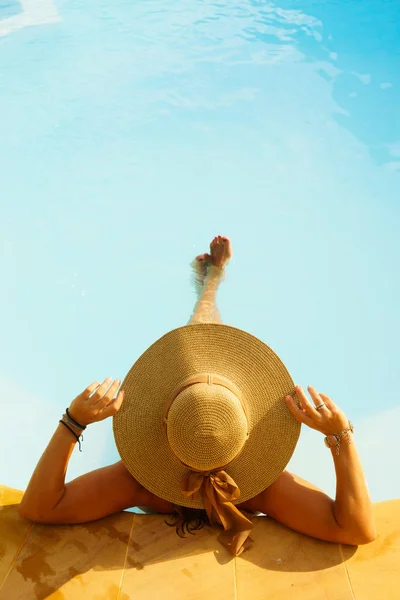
x=133, y=133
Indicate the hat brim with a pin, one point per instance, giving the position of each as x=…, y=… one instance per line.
x=207, y=347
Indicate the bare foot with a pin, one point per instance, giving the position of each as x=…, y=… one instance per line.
x=200, y=266
x=203, y=259
x=221, y=251
x=202, y=262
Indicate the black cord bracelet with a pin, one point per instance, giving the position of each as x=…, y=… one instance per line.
x=83, y=427
x=73, y=433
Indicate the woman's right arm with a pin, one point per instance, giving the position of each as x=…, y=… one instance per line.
x=92, y=496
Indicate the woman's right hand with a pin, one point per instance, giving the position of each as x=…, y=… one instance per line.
x=97, y=402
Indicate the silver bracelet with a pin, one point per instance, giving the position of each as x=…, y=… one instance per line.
x=334, y=439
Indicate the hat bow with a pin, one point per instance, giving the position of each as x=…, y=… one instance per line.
x=218, y=491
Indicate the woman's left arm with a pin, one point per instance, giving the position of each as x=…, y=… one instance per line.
x=302, y=506
x=352, y=507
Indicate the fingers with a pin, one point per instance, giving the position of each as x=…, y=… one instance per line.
x=306, y=413
x=89, y=390
x=329, y=419
x=298, y=413
x=329, y=403
x=308, y=408
x=317, y=399
x=95, y=391
x=98, y=396
x=105, y=393
x=98, y=393
x=114, y=406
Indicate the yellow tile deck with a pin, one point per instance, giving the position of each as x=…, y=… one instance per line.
x=137, y=557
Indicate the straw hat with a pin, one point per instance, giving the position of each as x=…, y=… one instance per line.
x=202, y=398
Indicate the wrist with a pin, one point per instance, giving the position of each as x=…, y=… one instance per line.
x=67, y=421
x=77, y=421
x=334, y=441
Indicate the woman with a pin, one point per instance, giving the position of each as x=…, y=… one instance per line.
x=287, y=498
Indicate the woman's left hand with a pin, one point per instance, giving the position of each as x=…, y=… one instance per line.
x=328, y=420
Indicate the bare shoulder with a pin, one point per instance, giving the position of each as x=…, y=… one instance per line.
x=125, y=479
x=132, y=491
x=302, y=506
x=286, y=494
x=287, y=487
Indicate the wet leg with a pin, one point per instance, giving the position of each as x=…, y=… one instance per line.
x=209, y=274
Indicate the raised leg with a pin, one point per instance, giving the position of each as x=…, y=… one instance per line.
x=209, y=274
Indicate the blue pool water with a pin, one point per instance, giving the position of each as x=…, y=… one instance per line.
x=9, y=9
x=131, y=133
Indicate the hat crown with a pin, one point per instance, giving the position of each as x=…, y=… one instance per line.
x=206, y=426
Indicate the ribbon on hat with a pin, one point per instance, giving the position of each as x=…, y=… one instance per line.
x=217, y=489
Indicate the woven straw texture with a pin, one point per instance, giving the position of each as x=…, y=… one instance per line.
x=251, y=365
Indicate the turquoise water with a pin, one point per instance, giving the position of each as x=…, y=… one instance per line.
x=131, y=134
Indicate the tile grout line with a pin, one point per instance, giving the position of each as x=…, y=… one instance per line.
x=126, y=558
x=234, y=579
x=347, y=572
x=18, y=552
